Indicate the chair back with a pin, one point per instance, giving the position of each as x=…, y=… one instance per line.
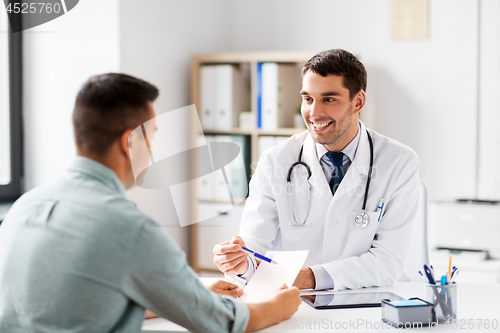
x=418, y=252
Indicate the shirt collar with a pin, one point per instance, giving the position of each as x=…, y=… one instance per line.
x=349, y=150
x=98, y=171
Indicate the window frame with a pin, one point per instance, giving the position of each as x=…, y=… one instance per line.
x=10, y=192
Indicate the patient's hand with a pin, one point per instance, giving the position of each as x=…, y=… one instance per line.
x=149, y=314
x=225, y=288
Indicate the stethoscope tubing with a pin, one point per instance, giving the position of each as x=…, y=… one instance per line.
x=368, y=181
x=300, y=162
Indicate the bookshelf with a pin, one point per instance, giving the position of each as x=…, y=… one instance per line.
x=199, y=250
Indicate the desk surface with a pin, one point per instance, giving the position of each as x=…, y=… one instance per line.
x=476, y=304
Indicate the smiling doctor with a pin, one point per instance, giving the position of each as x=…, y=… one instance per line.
x=344, y=192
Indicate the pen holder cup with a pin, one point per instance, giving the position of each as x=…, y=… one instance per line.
x=444, y=299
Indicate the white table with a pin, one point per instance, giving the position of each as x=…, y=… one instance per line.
x=476, y=302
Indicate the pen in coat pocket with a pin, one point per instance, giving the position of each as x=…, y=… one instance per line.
x=379, y=208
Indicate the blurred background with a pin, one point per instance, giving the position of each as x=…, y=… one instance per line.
x=433, y=84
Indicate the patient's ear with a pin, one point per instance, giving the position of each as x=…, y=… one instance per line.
x=126, y=142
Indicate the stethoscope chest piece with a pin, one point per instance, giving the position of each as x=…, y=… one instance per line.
x=362, y=220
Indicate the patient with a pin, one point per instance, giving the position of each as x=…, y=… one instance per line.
x=77, y=256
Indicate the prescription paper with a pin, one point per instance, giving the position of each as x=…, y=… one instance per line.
x=268, y=278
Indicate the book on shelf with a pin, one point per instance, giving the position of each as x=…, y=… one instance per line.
x=224, y=93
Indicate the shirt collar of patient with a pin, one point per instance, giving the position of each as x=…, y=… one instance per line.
x=349, y=150
x=97, y=170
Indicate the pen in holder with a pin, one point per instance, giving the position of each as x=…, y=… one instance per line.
x=444, y=298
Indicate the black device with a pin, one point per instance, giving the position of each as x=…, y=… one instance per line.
x=354, y=300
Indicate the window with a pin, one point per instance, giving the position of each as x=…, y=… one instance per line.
x=10, y=112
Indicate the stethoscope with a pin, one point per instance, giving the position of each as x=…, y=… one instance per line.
x=361, y=220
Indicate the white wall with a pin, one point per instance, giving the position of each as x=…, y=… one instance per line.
x=420, y=92
x=158, y=39
x=59, y=57
x=489, y=117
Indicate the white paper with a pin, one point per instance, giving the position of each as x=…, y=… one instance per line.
x=268, y=278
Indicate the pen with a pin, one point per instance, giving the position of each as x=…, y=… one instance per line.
x=454, y=275
x=258, y=256
x=444, y=291
x=449, y=267
x=439, y=298
x=379, y=208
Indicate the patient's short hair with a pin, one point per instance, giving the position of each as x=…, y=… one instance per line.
x=106, y=106
x=342, y=63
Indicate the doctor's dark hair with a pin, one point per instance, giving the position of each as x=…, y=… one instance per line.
x=106, y=106
x=342, y=63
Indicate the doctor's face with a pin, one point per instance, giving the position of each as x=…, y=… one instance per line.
x=330, y=114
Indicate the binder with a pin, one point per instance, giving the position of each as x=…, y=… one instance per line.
x=258, y=92
x=207, y=97
x=240, y=168
x=221, y=185
x=232, y=95
x=205, y=184
x=280, y=95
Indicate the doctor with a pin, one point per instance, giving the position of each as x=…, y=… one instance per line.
x=356, y=210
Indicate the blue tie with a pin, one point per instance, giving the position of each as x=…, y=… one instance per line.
x=338, y=172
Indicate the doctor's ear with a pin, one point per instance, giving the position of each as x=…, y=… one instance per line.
x=359, y=100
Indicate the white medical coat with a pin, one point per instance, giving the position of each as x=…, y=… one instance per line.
x=353, y=257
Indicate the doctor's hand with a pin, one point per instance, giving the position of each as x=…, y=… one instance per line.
x=229, y=258
x=222, y=287
x=305, y=279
